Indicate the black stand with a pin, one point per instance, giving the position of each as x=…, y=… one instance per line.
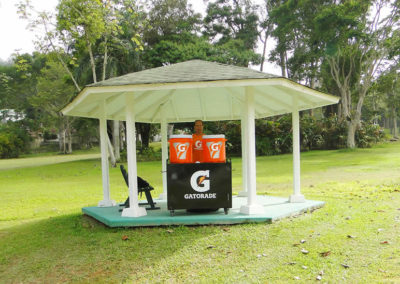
x=199, y=187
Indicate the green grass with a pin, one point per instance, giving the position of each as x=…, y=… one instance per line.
x=45, y=238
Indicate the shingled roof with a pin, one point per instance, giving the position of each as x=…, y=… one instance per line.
x=194, y=90
x=188, y=71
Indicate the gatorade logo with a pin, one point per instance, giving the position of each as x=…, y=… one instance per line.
x=198, y=145
x=200, y=181
x=181, y=150
x=215, y=149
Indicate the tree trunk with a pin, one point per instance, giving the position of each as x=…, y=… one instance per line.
x=92, y=63
x=170, y=129
x=69, y=135
x=116, y=140
x=105, y=60
x=69, y=142
x=111, y=153
x=60, y=139
x=283, y=64
x=145, y=135
x=351, y=134
x=312, y=85
x=122, y=135
x=265, y=47
x=394, y=122
x=64, y=142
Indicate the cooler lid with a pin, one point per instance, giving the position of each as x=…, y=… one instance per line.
x=213, y=136
x=180, y=136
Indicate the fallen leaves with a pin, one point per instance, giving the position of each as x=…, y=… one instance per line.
x=325, y=253
x=210, y=247
x=125, y=238
x=351, y=237
x=384, y=243
x=345, y=265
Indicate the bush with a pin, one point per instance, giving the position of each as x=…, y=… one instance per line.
x=368, y=134
x=14, y=140
x=143, y=155
x=275, y=136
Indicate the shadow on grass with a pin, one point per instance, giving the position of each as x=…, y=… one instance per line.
x=78, y=248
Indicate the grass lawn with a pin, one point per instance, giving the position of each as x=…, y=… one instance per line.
x=355, y=238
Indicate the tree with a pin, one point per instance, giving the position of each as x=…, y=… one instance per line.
x=356, y=54
x=389, y=84
x=173, y=34
x=54, y=92
x=349, y=39
x=233, y=25
x=266, y=25
x=81, y=28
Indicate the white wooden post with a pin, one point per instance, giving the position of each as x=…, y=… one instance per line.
x=164, y=153
x=104, y=159
x=252, y=207
x=243, y=122
x=296, y=196
x=134, y=210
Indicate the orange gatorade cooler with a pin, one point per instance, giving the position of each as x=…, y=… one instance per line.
x=180, y=149
x=198, y=152
x=214, y=148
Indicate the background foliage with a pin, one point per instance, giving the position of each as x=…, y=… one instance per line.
x=346, y=48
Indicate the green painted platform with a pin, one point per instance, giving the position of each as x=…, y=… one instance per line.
x=275, y=208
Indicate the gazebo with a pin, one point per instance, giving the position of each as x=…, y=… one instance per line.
x=191, y=90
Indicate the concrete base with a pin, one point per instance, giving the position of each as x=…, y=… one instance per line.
x=297, y=198
x=107, y=203
x=134, y=212
x=275, y=208
x=163, y=196
x=254, y=209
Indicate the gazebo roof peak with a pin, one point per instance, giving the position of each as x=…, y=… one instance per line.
x=188, y=71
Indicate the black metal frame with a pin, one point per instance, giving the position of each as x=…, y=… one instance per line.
x=143, y=186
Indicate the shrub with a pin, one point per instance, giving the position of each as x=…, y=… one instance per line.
x=368, y=134
x=143, y=155
x=14, y=140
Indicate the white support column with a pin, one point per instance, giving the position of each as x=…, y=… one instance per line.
x=296, y=196
x=134, y=210
x=243, y=126
x=106, y=202
x=252, y=207
x=164, y=153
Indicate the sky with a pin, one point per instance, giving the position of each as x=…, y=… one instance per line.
x=16, y=38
